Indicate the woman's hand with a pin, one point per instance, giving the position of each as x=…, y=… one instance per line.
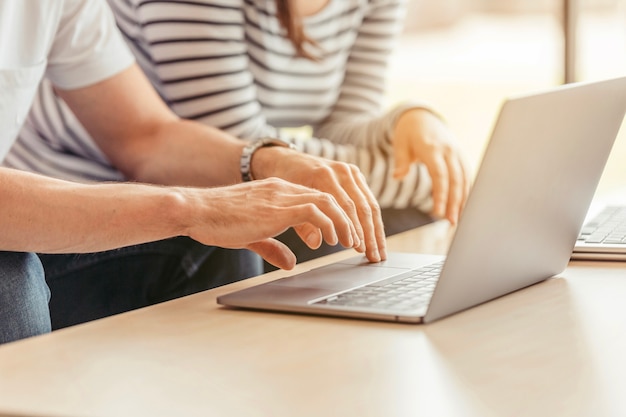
x=422, y=137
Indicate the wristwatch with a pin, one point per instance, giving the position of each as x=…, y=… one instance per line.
x=251, y=148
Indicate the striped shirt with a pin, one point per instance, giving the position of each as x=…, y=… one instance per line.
x=229, y=64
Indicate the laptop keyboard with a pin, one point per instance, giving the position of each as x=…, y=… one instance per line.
x=609, y=226
x=404, y=292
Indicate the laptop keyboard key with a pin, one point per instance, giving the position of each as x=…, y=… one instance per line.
x=403, y=292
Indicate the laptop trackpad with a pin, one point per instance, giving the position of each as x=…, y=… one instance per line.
x=338, y=277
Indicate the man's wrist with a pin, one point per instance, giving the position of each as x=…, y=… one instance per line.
x=251, y=149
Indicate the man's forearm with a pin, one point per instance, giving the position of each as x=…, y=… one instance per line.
x=183, y=152
x=146, y=141
x=39, y=214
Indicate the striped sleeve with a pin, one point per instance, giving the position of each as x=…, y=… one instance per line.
x=356, y=117
x=357, y=122
x=196, y=55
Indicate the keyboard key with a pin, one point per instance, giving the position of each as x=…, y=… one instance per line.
x=609, y=226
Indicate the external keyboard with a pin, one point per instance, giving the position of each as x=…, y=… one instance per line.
x=609, y=226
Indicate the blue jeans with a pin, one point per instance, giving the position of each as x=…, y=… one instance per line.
x=86, y=287
x=24, y=297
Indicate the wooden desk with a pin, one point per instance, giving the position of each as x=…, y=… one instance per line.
x=554, y=349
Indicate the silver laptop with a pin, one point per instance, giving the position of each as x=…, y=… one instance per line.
x=603, y=235
x=523, y=216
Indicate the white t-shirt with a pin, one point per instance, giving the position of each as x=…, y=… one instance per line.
x=72, y=42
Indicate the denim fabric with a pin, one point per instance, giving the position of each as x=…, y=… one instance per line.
x=90, y=286
x=81, y=287
x=24, y=297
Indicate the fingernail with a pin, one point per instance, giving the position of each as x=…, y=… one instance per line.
x=360, y=247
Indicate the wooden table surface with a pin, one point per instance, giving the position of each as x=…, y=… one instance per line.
x=554, y=349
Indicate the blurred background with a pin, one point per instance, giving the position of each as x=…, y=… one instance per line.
x=467, y=56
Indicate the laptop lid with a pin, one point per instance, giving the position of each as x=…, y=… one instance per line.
x=531, y=195
x=535, y=183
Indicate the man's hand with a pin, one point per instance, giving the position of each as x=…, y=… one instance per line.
x=344, y=181
x=249, y=215
x=421, y=137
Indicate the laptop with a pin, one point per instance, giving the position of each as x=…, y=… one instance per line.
x=603, y=235
x=535, y=183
